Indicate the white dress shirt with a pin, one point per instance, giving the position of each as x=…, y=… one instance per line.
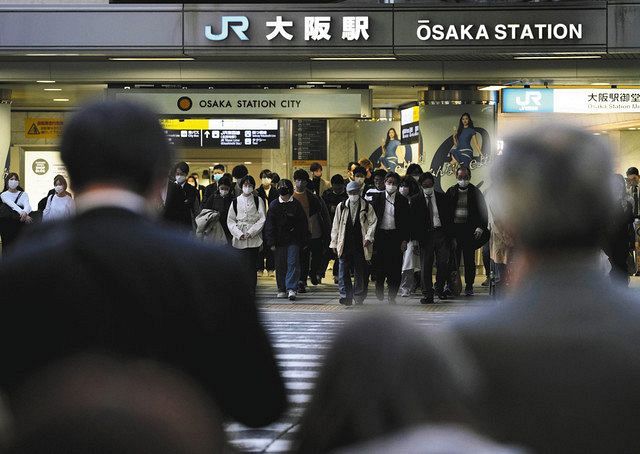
x=389, y=216
x=434, y=209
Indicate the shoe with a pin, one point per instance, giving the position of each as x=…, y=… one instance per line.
x=336, y=280
x=302, y=287
x=359, y=303
x=314, y=280
x=271, y=273
x=392, y=301
x=427, y=300
x=447, y=292
x=485, y=283
x=345, y=301
x=281, y=295
x=292, y=295
x=637, y=274
x=441, y=296
x=468, y=291
x=404, y=295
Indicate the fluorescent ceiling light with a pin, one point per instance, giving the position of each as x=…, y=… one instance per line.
x=556, y=57
x=46, y=81
x=493, y=87
x=316, y=83
x=53, y=89
x=52, y=55
x=61, y=99
x=248, y=162
x=601, y=83
x=351, y=58
x=151, y=58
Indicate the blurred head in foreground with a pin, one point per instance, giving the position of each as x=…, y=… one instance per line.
x=553, y=191
x=383, y=374
x=97, y=404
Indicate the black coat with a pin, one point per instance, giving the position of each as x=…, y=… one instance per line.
x=560, y=361
x=180, y=206
x=478, y=217
x=332, y=200
x=286, y=224
x=273, y=194
x=401, y=213
x=317, y=206
x=221, y=205
x=111, y=280
x=418, y=214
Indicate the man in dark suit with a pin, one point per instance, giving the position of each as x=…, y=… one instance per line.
x=560, y=356
x=392, y=236
x=182, y=198
x=112, y=280
x=431, y=228
x=469, y=221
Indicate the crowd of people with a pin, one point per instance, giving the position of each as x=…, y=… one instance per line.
x=123, y=335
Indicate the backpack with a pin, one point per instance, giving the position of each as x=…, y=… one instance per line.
x=366, y=207
x=235, y=203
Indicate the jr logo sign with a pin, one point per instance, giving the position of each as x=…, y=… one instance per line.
x=519, y=100
x=239, y=25
x=530, y=98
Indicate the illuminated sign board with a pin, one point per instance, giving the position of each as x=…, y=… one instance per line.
x=410, y=125
x=570, y=100
x=222, y=133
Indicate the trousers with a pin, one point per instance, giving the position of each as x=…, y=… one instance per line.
x=287, y=267
x=311, y=260
x=388, y=263
x=358, y=289
x=435, y=246
x=466, y=249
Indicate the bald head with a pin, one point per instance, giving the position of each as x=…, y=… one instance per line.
x=552, y=188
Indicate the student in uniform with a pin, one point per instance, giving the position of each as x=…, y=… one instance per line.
x=268, y=193
x=181, y=201
x=352, y=237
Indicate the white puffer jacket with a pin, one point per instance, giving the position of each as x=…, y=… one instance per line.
x=368, y=221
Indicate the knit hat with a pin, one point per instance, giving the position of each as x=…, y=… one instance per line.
x=353, y=186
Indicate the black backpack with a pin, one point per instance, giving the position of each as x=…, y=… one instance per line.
x=235, y=203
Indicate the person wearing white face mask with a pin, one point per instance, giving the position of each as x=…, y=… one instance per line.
x=268, y=193
x=246, y=220
x=59, y=205
x=352, y=237
x=469, y=221
x=431, y=230
x=17, y=209
x=218, y=173
x=181, y=200
x=392, y=236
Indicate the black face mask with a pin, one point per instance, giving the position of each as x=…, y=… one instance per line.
x=284, y=191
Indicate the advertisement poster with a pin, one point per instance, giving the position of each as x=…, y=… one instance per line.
x=438, y=126
x=39, y=169
x=380, y=142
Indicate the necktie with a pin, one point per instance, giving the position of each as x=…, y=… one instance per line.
x=429, y=213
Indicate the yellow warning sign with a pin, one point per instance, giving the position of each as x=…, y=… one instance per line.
x=182, y=124
x=43, y=128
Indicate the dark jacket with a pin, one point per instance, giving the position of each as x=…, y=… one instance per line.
x=180, y=206
x=401, y=213
x=418, y=214
x=560, y=361
x=134, y=288
x=221, y=205
x=286, y=224
x=332, y=200
x=209, y=191
x=317, y=206
x=477, y=206
x=273, y=194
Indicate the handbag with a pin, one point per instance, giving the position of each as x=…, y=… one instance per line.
x=6, y=212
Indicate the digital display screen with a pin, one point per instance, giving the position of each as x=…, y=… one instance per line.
x=222, y=133
x=410, y=125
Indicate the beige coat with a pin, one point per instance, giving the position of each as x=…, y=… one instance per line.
x=368, y=221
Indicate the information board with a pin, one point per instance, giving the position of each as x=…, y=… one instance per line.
x=309, y=138
x=222, y=133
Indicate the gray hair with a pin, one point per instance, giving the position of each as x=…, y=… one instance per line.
x=552, y=187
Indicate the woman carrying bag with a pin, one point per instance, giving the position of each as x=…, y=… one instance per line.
x=14, y=211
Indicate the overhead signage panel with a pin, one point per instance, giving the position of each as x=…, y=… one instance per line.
x=570, y=100
x=530, y=28
x=257, y=103
x=222, y=133
x=410, y=125
x=288, y=29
